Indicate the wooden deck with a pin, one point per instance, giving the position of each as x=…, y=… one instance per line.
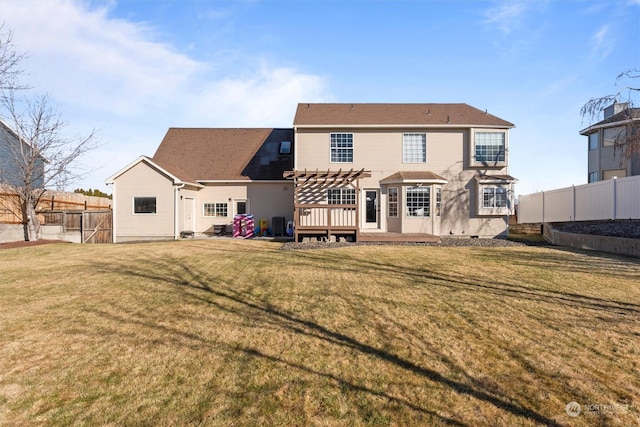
x=398, y=237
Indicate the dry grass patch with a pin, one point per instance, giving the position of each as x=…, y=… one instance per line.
x=226, y=332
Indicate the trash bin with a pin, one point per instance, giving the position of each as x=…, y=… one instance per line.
x=278, y=224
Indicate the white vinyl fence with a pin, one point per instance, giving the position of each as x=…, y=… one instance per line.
x=617, y=198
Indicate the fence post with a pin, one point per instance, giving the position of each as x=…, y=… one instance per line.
x=573, y=211
x=615, y=196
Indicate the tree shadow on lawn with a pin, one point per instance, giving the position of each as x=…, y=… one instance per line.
x=206, y=287
x=343, y=261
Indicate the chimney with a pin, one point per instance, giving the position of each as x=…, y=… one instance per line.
x=615, y=108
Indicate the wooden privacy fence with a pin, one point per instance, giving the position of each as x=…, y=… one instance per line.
x=59, y=201
x=94, y=226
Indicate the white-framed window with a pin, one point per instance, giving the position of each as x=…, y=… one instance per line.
x=593, y=177
x=414, y=148
x=418, y=201
x=593, y=141
x=341, y=148
x=341, y=196
x=494, y=197
x=216, y=209
x=490, y=147
x=438, y=200
x=144, y=205
x=392, y=202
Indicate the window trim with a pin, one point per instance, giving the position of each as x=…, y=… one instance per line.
x=344, y=199
x=332, y=148
x=215, y=209
x=393, y=205
x=404, y=148
x=426, y=208
x=155, y=206
x=484, y=163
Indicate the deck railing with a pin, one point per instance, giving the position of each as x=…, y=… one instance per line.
x=326, y=217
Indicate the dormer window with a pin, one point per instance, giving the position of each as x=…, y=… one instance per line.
x=285, y=147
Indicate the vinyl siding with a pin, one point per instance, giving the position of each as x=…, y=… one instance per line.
x=144, y=181
x=380, y=151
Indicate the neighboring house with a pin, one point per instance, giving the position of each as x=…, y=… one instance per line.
x=16, y=165
x=604, y=139
x=344, y=170
x=199, y=179
x=439, y=169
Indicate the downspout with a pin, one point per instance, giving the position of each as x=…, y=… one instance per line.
x=176, y=225
x=113, y=212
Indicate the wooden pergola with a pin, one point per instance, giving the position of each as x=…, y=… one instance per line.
x=320, y=218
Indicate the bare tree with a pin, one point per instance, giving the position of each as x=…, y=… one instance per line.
x=35, y=152
x=627, y=140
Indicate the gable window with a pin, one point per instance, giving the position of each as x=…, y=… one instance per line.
x=494, y=197
x=593, y=141
x=414, y=148
x=418, y=201
x=144, y=205
x=341, y=196
x=341, y=147
x=392, y=202
x=216, y=209
x=490, y=147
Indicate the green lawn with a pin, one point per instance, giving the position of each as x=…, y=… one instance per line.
x=229, y=332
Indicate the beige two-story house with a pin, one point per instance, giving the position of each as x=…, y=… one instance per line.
x=356, y=171
x=367, y=169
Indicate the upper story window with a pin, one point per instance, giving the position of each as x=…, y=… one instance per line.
x=144, y=205
x=611, y=136
x=341, y=147
x=341, y=196
x=593, y=141
x=490, y=147
x=285, y=147
x=414, y=148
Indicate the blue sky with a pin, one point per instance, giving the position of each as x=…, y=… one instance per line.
x=132, y=69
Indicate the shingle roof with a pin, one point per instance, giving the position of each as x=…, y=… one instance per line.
x=395, y=114
x=225, y=153
x=622, y=116
x=413, y=176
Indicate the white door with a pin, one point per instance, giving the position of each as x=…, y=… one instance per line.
x=189, y=214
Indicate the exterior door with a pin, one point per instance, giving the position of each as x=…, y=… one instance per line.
x=189, y=214
x=371, y=209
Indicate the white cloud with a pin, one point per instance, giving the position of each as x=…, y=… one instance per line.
x=505, y=16
x=602, y=43
x=121, y=78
